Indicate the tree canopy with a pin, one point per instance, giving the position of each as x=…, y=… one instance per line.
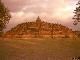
x=4, y=16
x=77, y=14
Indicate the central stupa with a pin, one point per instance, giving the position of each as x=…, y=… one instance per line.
x=40, y=29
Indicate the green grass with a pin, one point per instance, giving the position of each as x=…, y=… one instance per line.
x=39, y=49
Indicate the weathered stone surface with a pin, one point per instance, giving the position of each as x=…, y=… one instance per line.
x=40, y=29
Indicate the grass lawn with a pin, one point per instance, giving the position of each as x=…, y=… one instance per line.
x=39, y=49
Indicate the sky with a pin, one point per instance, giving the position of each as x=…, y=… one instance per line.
x=54, y=11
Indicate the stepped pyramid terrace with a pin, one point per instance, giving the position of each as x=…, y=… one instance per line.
x=40, y=29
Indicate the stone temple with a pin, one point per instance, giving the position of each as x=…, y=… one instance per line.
x=40, y=29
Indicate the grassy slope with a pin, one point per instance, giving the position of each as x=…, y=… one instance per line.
x=39, y=49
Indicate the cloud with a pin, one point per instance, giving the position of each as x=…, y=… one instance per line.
x=58, y=10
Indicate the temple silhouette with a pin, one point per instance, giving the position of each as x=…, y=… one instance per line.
x=40, y=29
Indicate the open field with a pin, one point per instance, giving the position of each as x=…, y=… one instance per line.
x=39, y=49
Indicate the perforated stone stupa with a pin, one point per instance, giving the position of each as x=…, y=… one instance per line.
x=40, y=29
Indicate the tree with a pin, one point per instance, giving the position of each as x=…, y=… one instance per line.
x=4, y=16
x=77, y=14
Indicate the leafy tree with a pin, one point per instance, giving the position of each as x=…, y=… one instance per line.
x=77, y=14
x=4, y=16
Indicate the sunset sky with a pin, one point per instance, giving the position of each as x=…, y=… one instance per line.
x=56, y=11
